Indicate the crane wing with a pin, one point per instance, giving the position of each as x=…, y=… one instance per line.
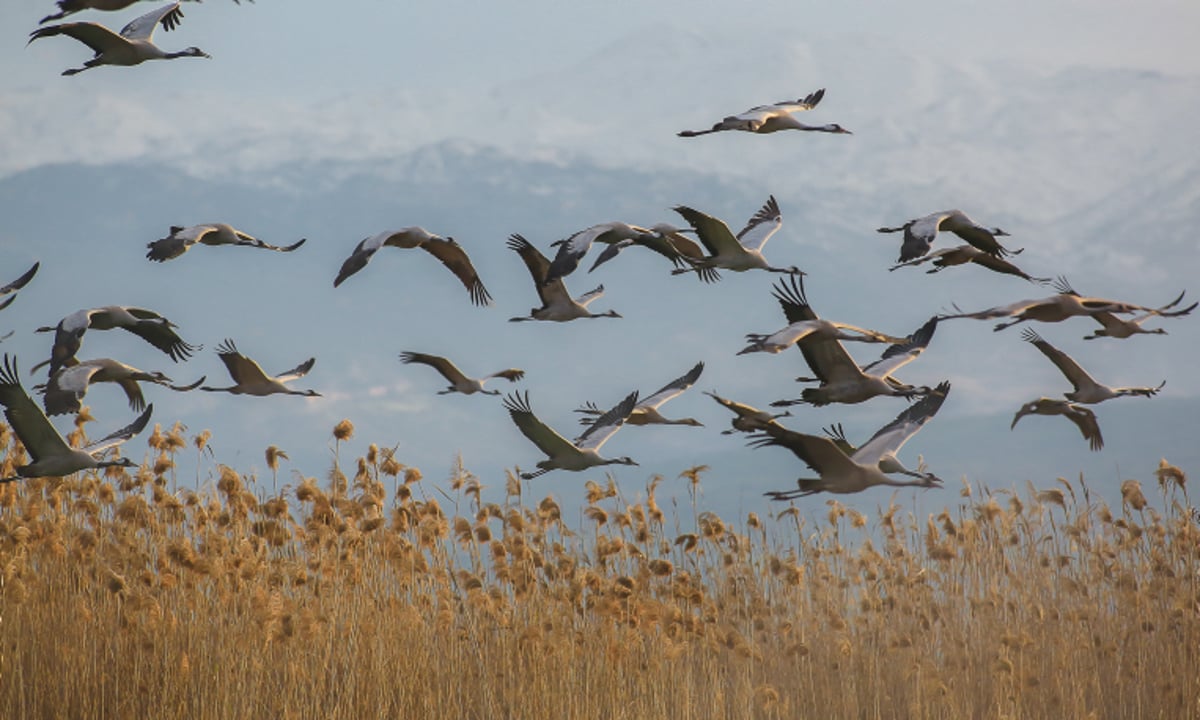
x=900, y=354
x=828, y=359
x=27, y=420
x=891, y=437
x=358, y=260
x=575, y=247
x=821, y=454
x=452, y=255
x=297, y=372
x=97, y=37
x=66, y=388
x=607, y=424
x=538, y=266
x=761, y=226
x=24, y=280
x=791, y=106
x=448, y=369
x=714, y=234
x=1085, y=420
x=538, y=432
x=279, y=248
x=241, y=368
x=158, y=333
x=1064, y=362
x=119, y=436
x=790, y=294
x=142, y=28
x=674, y=388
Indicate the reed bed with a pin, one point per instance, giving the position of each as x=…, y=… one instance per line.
x=381, y=594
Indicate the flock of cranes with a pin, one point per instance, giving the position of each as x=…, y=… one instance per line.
x=839, y=466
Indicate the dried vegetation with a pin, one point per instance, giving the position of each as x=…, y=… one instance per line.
x=380, y=595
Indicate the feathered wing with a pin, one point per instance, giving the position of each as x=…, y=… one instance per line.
x=789, y=291
x=761, y=226
x=452, y=255
x=998, y=264
x=913, y=246
x=1000, y=311
x=297, y=372
x=67, y=387
x=591, y=295
x=168, y=248
x=279, y=248
x=891, y=437
x=572, y=250
x=674, y=388
x=27, y=420
x=142, y=28
x=1064, y=362
x=821, y=454
x=21, y=281
x=242, y=369
x=838, y=435
x=807, y=102
x=444, y=366
x=116, y=438
x=713, y=233
x=975, y=234
x=539, y=433
x=158, y=333
x=607, y=424
x=96, y=37
x=1085, y=420
x=900, y=354
x=538, y=266
x=828, y=359
x=357, y=261
x=918, y=236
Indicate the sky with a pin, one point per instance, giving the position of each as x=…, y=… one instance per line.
x=608, y=84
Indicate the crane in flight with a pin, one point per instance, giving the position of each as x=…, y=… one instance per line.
x=967, y=254
x=445, y=249
x=646, y=411
x=746, y=418
x=65, y=390
x=842, y=468
x=250, y=379
x=1087, y=391
x=727, y=251
x=561, y=454
x=459, y=382
x=1115, y=327
x=52, y=456
x=133, y=46
x=1056, y=308
x=146, y=324
x=181, y=239
x=762, y=119
x=919, y=234
x=557, y=304
x=1083, y=418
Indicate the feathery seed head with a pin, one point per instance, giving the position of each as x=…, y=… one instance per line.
x=1131, y=495
x=344, y=430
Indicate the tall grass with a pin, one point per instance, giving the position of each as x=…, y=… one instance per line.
x=383, y=595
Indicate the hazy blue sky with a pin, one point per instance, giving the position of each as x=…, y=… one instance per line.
x=307, y=66
x=1000, y=109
